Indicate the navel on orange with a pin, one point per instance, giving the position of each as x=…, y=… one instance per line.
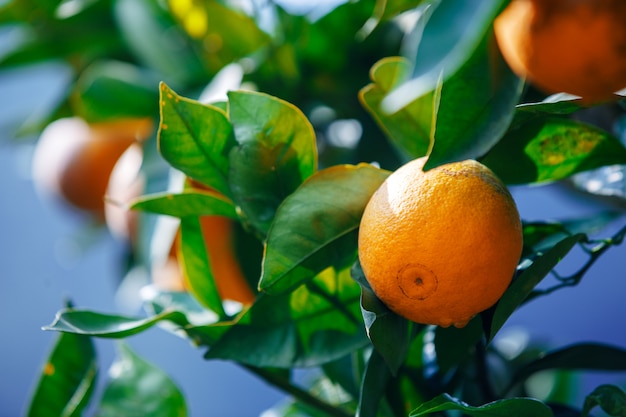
x=439, y=247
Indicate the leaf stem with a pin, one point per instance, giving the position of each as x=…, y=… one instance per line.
x=298, y=393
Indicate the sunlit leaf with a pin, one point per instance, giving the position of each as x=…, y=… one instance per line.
x=197, y=265
x=409, y=129
x=188, y=203
x=552, y=148
x=276, y=151
x=611, y=399
x=136, y=387
x=86, y=322
x=385, y=10
x=475, y=106
x=447, y=34
x=510, y=407
x=195, y=139
x=581, y=356
x=316, y=227
x=522, y=286
x=114, y=89
x=317, y=323
x=66, y=383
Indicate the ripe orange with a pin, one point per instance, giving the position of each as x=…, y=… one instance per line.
x=73, y=159
x=440, y=246
x=572, y=46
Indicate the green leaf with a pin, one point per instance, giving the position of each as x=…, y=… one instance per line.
x=587, y=356
x=188, y=203
x=546, y=148
x=446, y=36
x=114, y=89
x=408, y=129
x=610, y=398
x=197, y=265
x=510, y=407
x=374, y=385
x=276, y=152
x=138, y=388
x=475, y=106
x=316, y=227
x=195, y=139
x=522, y=286
x=317, y=323
x=90, y=323
x=453, y=346
x=141, y=23
x=67, y=380
x=390, y=333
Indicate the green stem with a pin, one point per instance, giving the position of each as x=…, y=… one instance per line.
x=298, y=393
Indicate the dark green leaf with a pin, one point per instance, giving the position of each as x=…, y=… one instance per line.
x=197, y=265
x=113, y=89
x=475, y=106
x=410, y=128
x=316, y=227
x=138, y=388
x=67, y=380
x=196, y=139
x=85, y=322
x=510, y=407
x=453, y=346
x=317, y=323
x=522, y=286
x=583, y=356
x=276, y=152
x=610, y=398
x=551, y=148
x=390, y=333
x=188, y=203
x=374, y=385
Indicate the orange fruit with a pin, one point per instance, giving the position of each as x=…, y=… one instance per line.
x=440, y=246
x=73, y=160
x=572, y=46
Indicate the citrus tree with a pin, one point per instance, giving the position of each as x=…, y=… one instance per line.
x=275, y=130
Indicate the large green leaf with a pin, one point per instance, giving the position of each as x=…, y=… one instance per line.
x=610, y=398
x=316, y=227
x=374, y=386
x=138, y=388
x=510, y=407
x=276, y=152
x=90, y=323
x=317, y=323
x=444, y=38
x=114, y=89
x=67, y=380
x=475, y=106
x=410, y=128
x=523, y=285
x=541, y=148
x=196, y=139
x=453, y=346
x=197, y=265
x=191, y=202
x=390, y=333
x=581, y=356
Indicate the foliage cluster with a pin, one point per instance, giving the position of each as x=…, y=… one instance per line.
x=385, y=81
